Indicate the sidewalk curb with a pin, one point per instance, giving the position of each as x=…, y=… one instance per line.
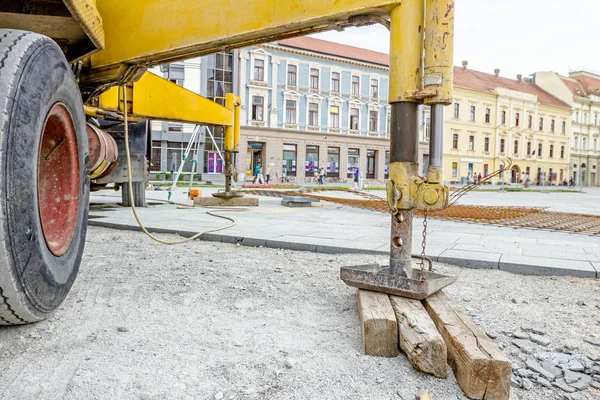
x=466, y=262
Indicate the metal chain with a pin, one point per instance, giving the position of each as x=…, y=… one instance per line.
x=423, y=244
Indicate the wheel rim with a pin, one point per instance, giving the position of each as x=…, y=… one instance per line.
x=58, y=179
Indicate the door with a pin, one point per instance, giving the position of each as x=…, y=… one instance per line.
x=254, y=157
x=371, y=161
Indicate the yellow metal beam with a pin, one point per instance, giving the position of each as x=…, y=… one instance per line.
x=147, y=32
x=406, y=45
x=439, y=51
x=157, y=98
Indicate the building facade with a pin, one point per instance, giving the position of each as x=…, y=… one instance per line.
x=581, y=90
x=309, y=103
x=494, y=119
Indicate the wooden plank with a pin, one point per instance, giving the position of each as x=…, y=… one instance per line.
x=419, y=338
x=481, y=369
x=378, y=324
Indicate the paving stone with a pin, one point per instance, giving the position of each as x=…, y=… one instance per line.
x=536, y=367
x=515, y=381
x=527, y=384
x=530, y=265
x=571, y=377
x=575, y=396
x=542, y=341
x=520, y=335
x=544, y=382
x=548, y=366
x=573, y=366
x=595, y=385
x=525, y=345
x=562, y=385
x=553, y=357
x=593, y=341
x=523, y=373
x=596, y=378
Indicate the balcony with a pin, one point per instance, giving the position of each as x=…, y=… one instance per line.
x=373, y=133
x=354, y=132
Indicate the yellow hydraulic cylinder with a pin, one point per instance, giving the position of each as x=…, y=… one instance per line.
x=236, y=124
x=439, y=49
x=229, y=130
x=406, y=44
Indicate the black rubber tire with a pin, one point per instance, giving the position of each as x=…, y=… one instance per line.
x=34, y=75
x=139, y=194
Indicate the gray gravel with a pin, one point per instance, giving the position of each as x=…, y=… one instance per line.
x=218, y=321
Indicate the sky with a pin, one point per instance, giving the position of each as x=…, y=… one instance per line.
x=516, y=36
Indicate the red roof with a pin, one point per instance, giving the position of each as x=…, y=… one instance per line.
x=469, y=78
x=336, y=49
x=588, y=84
x=485, y=82
x=574, y=87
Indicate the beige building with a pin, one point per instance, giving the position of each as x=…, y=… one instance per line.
x=581, y=90
x=494, y=118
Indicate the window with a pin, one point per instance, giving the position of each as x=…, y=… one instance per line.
x=334, y=115
x=517, y=119
x=389, y=122
x=354, y=113
x=290, y=111
x=259, y=70
x=291, y=75
x=156, y=154
x=551, y=151
x=576, y=115
x=312, y=160
x=488, y=113
x=528, y=148
x=219, y=79
x=455, y=141
x=314, y=78
x=258, y=104
x=595, y=118
x=583, y=143
x=595, y=144
x=564, y=127
x=456, y=110
x=529, y=121
x=371, y=163
x=472, y=114
x=454, y=170
x=289, y=159
x=562, y=152
x=373, y=121
x=427, y=127
x=576, y=142
x=584, y=117
x=502, y=117
x=333, y=161
x=539, y=154
x=552, y=125
x=502, y=146
x=541, y=124
x=355, y=85
x=313, y=114
x=353, y=161
x=471, y=142
x=374, y=88
x=486, y=144
x=335, y=82
x=516, y=148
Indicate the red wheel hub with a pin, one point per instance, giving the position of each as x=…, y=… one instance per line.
x=58, y=179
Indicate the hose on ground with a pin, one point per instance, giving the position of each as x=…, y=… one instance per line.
x=131, y=197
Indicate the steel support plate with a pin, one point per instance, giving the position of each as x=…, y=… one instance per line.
x=378, y=279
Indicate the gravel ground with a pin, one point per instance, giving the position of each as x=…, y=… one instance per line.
x=217, y=321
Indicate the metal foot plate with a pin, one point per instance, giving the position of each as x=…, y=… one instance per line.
x=378, y=279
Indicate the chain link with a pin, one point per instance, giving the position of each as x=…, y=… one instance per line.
x=423, y=244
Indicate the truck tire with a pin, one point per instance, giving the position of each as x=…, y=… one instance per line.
x=139, y=194
x=44, y=177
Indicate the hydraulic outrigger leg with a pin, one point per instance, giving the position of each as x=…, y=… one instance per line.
x=421, y=44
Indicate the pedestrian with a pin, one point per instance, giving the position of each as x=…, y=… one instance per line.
x=321, y=176
x=526, y=184
x=258, y=178
x=268, y=174
x=283, y=173
x=479, y=179
x=356, y=176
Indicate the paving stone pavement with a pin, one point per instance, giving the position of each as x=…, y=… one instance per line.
x=334, y=228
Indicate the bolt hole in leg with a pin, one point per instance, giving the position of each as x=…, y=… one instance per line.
x=399, y=218
x=397, y=241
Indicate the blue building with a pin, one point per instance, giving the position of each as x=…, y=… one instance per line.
x=310, y=103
